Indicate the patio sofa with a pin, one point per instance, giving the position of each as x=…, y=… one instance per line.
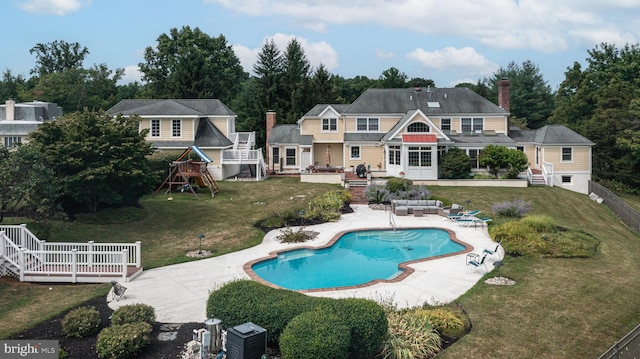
x=403, y=207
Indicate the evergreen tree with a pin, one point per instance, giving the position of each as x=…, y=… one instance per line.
x=297, y=82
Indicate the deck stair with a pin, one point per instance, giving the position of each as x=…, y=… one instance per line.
x=24, y=256
x=537, y=178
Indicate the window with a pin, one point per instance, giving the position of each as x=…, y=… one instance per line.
x=355, y=153
x=445, y=124
x=275, y=156
x=472, y=124
x=566, y=179
x=520, y=148
x=176, y=128
x=367, y=124
x=12, y=141
x=473, y=158
x=567, y=154
x=418, y=127
x=394, y=155
x=291, y=157
x=329, y=124
x=155, y=128
x=419, y=156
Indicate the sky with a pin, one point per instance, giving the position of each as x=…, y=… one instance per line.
x=449, y=41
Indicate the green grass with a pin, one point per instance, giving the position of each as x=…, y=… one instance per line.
x=558, y=308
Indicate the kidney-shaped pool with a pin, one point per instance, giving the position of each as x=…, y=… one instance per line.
x=356, y=258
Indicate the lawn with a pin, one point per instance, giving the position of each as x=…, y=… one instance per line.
x=559, y=308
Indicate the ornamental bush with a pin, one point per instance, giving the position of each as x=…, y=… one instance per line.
x=81, y=322
x=397, y=184
x=455, y=164
x=516, y=208
x=243, y=301
x=410, y=336
x=377, y=193
x=444, y=321
x=123, y=341
x=318, y=333
x=368, y=323
x=134, y=313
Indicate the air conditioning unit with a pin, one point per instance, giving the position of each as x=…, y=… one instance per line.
x=246, y=341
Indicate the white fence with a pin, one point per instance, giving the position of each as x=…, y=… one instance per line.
x=31, y=259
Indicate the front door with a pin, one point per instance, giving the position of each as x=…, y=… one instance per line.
x=305, y=158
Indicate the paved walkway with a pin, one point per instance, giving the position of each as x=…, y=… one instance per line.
x=179, y=292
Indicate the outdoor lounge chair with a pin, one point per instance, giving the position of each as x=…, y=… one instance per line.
x=469, y=220
x=118, y=291
x=492, y=252
x=462, y=215
x=477, y=264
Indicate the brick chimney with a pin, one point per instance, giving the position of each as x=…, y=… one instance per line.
x=504, y=100
x=10, y=110
x=271, y=122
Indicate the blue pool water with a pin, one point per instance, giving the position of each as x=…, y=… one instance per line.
x=355, y=258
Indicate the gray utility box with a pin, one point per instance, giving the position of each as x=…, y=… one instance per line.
x=246, y=341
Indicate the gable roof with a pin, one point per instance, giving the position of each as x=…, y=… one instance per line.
x=550, y=135
x=319, y=109
x=172, y=107
x=431, y=101
x=208, y=135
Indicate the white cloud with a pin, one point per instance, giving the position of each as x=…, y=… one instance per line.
x=465, y=61
x=543, y=25
x=55, y=7
x=131, y=74
x=246, y=56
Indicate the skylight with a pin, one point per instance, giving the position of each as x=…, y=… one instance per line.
x=433, y=104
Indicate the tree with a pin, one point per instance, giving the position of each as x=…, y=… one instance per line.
x=297, y=83
x=269, y=77
x=601, y=102
x=454, y=164
x=496, y=158
x=98, y=159
x=58, y=56
x=393, y=78
x=323, y=86
x=530, y=96
x=11, y=86
x=25, y=180
x=190, y=64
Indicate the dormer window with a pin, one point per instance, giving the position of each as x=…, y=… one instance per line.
x=329, y=124
x=418, y=127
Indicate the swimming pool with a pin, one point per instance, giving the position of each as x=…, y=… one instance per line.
x=356, y=258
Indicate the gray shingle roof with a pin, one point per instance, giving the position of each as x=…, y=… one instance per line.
x=208, y=135
x=363, y=137
x=285, y=133
x=550, y=135
x=482, y=139
x=15, y=128
x=457, y=100
x=318, y=109
x=172, y=107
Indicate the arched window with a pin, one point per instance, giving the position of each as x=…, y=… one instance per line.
x=418, y=127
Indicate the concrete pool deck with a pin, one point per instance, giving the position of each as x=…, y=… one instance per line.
x=179, y=292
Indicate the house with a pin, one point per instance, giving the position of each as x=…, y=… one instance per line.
x=404, y=132
x=17, y=120
x=178, y=124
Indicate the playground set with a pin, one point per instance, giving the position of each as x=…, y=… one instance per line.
x=184, y=174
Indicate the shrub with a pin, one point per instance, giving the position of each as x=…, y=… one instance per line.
x=368, y=323
x=397, y=184
x=454, y=164
x=328, y=206
x=81, y=322
x=516, y=208
x=376, y=193
x=539, y=223
x=244, y=301
x=123, y=341
x=134, y=313
x=444, y=321
x=518, y=239
x=319, y=333
x=288, y=235
x=410, y=336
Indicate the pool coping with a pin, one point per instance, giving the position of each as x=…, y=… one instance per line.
x=404, y=266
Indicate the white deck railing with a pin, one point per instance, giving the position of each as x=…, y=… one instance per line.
x=32, y=257
x=547, y=172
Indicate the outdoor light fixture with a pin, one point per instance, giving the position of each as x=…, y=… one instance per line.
x=467, y=202
x=200, y=236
